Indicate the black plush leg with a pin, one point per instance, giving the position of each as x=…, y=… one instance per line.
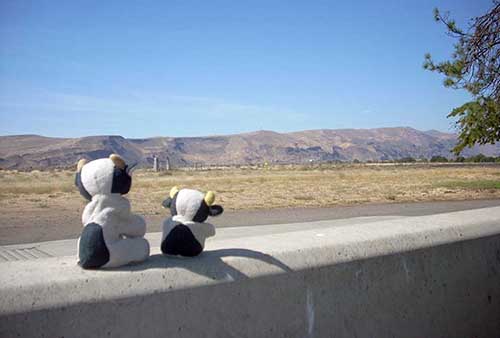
x=92, y=251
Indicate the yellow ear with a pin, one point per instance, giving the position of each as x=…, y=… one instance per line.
x=173, y=191
x=80, y=165
x=117, y=160
x=210, y=198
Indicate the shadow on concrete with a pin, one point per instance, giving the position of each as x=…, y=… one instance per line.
x=209, y=263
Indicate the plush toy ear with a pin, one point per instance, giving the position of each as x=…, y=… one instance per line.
x=167, y=203
x=173, y=191
x=209, y=198
x=215, y=210
x=80, y=165
x=118, y=161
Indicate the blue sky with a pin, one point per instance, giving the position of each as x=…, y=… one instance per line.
x=188, y=68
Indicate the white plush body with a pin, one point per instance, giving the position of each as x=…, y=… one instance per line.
x=123, y=231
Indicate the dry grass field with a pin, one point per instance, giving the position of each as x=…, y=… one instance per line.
x=31, y=199
x=255, y=188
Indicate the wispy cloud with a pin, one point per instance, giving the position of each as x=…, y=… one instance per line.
x=138, y=103
x=146, y=114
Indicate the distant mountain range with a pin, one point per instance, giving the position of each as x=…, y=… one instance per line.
x=39, y=152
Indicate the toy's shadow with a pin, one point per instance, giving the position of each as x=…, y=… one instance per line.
x=208, y=263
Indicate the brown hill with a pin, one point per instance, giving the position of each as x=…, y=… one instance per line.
x=33, y=151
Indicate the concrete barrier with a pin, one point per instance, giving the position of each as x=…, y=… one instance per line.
x=429, y=276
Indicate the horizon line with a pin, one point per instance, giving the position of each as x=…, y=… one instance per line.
x=231, y=134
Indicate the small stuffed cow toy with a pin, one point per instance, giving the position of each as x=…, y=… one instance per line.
x=112, y=236
x=184, y=233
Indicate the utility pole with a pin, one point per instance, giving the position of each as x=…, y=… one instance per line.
x=167, y=164
x=155, y=163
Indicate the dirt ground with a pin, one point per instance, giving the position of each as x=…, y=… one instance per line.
x=37, y=206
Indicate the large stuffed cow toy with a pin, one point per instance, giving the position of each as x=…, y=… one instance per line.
x=112, y=235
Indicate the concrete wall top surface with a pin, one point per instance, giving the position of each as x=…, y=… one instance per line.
x=56, y=282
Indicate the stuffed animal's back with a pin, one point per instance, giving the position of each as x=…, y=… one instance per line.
x=179, y=240
x=102, y=207
x=100, y=212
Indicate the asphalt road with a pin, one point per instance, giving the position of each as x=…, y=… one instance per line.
x=70, y=227
x=297, y=215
